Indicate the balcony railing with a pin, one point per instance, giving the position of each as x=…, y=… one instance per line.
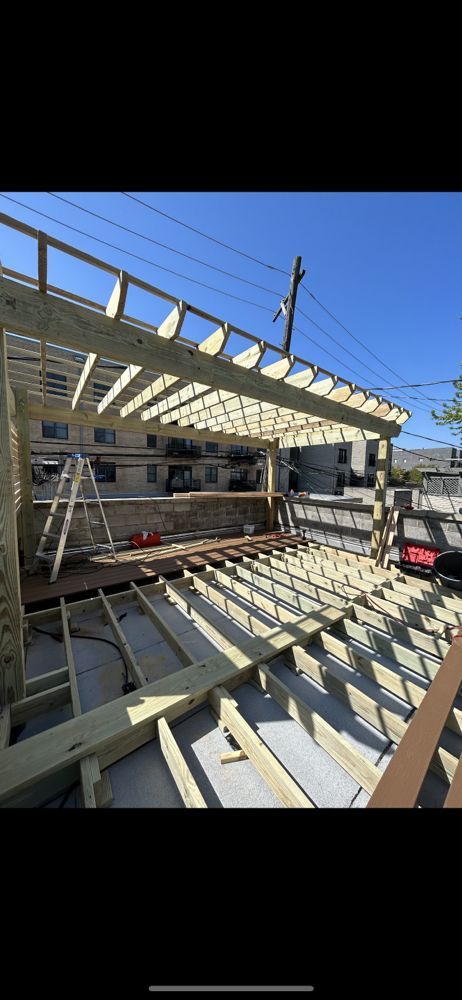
x=172, y=451
x=242, y=485
x=250, y=459
x=179, y=486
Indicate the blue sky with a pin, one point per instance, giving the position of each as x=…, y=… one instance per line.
x=387, y=265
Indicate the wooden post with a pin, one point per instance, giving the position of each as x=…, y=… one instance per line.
x=378, y=515
x=271, y=501
x=12, y=674
x=294, y=280
x=25, y=475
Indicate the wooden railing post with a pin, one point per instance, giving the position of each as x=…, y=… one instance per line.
x=378, y=515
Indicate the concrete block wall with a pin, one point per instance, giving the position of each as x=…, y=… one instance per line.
x=166, y=515
x=350, y=525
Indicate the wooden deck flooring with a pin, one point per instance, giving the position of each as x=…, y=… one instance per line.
x=88, y=577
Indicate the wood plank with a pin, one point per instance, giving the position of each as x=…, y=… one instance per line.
x=231, y=756
x=179, y=769
x=116, y=305
x=272, y=482
x=391, y=647
x=166, y=632
x=113, y=730
x=74, y=689
x=69, y=325
x=428, y=597
x=400, y=784
x=266, y=566
x=359, y=579
x=5, y=726
x=338, y=747
x=275, y=775
x=400, y=632
x=86, y=373
x=87, y=418
x=25, y=473
x=43, y=682
x=388, y=723
x=378, y=513
x=103, y=791
x=126, y=651
x=442, y=615
x=88, y=766
x=36, y=704
x=12, y=673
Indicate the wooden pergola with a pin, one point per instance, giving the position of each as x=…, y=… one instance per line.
x=227, y=386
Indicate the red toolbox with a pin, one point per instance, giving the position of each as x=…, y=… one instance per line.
x=420, y=555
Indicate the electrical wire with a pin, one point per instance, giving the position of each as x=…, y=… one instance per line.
x=242, y=253
x=165, y=246
x=129, y=253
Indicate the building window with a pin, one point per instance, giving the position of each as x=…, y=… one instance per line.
x=179, y=443
x=239, y=475
x=239, y=449
x=152, y=473
x=99, y=390
x=104, y=436
x=371, y=480
x=211, y=447
x=104, y=472
x=342, y=456
x=371, y=461
x=151, y=441
x=53, y=430
x=340, y=480
x=56, y=384
x=211, y=474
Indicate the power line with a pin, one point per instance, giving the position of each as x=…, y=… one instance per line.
x=425, y=438
x=164, y=245
x=129, y=253
x=415, y=385
x=358, y=341
x=242, y=253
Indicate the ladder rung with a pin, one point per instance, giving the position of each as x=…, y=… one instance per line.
x=97, y=522
x=51, y=534
x=58, y=514
x=44, y=555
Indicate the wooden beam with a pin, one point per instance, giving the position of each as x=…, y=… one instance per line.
x=337, y=746
x=166, y=632
x=178, y=767
x=400, y=784
x=278, y=779
x=170, y=329
x=378, y=514
x=69, y=325
x=400, y=633
x=12, y=673
x=388, y=723
x=126, y=651
x=296, y=586
x=49, y=680
x=87, y=371
x=337, y=436
x=31, y=706
x=212, y=345
x=230, y=756
x=116, y=305
x=5, y=726
x=25, y=473
x=272, y=481
x=87, y=418
x=113, y=730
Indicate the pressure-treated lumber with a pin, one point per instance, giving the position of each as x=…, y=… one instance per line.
x=401, y=783
x=54, y=678
x=166, y=632
x=388, y=723
x=5, y=726
x=12, y=674
x=295, y=587
x=400, y=633
x=113, y=730
x=87, y=371
x=86, y=418
x=25, y=474
x=126, y=651
x=42, y=701
x=278, y=779
x=378, y=513
x=179, y=769
x=338, y=747
x=69, y=325
x=272, y=482
x=230, y=756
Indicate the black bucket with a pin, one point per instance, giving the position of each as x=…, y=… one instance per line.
x=448, y=567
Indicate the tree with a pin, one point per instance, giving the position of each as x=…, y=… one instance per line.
x=415, y=476
x=451, y=413
x=397, y=474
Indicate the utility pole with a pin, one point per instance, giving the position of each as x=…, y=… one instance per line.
x=287, y=306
